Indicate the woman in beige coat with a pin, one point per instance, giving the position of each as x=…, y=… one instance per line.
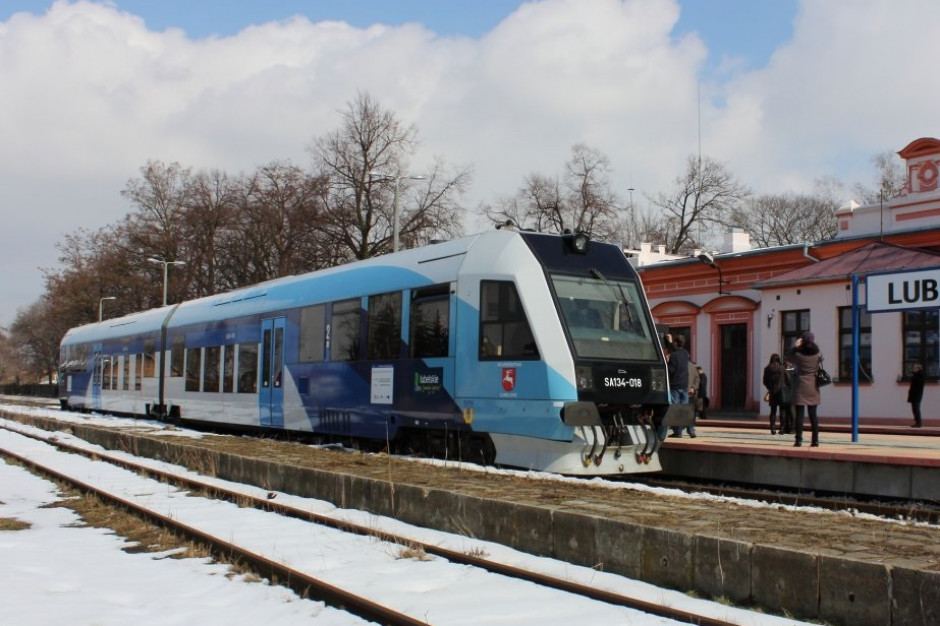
x=806, y=359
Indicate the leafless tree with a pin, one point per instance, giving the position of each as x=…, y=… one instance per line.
x=365, y=161
x=580, y=201
x=36, y=333
x=704, y=197
x=781, y=219
x=891, y=179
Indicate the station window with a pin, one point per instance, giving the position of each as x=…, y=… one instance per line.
x=793, y=323
x=384, y=326
x=345, y=343
x=429, y=321
x=247, y=368
x=920, y=342
x=846, y=348
x=504, y=330
x=193, y=368
x=211, y=370
x=312, y=333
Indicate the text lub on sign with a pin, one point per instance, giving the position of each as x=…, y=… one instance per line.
x=903, y=290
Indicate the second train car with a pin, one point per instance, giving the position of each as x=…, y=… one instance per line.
x=514, y=348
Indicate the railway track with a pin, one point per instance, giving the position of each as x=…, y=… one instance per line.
x=300, y=580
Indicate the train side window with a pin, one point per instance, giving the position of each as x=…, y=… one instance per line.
x=138, y=370
x=176, y=356
x=193, y=368
x=126, y=383
x=429, y=323
x=106, y=372
x=114, y=372
x=504, y=330
x=228, y=369
x=345, y=323
x=312, y=333
x=210, y=380
x=384, y=326
x=150, y=351
x=247, y=368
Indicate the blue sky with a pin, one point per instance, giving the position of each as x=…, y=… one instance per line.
x=783, y=92
x=746, y=29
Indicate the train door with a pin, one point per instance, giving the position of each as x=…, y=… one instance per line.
x=271, y=392
x=734, y=350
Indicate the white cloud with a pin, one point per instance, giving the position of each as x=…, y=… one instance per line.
x=89, y=95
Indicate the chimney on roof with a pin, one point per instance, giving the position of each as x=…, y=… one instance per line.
x=736, y=240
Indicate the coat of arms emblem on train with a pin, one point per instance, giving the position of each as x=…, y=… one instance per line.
x=509, y=378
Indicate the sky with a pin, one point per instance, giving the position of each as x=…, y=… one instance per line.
x=60, y=572
x=783, y=92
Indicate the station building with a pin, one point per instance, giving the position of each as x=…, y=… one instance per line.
x=739, y=305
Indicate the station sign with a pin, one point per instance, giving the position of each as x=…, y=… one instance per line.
x=900, y=291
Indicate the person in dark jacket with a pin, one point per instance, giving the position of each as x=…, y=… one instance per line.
x=701, y=395
x=773, y=379
x=806, y=359
x=677, y=366
x=915, y=393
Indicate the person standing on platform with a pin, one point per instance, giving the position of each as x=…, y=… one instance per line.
x=677, y=365
x=693, y=389
x=701, y=395
x=806, y=359
x=773, y=379
x=915, y=393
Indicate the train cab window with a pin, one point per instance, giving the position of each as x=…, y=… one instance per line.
x=345, y=330
x=312, y=333
x=429, y=321
x=210, y=381
x=504, y=330
x=176, y=356
x=228, y=369
x=384, y=326
x=193, y=368
x=150, y=351
x=247, y=368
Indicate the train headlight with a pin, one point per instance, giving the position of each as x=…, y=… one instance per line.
x=658, y=379
x=584, y=374
x=578, y=242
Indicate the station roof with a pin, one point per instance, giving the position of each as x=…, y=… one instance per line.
x=875, y=257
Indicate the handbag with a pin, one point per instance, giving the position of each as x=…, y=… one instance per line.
x=822, y=377
x=767, y=397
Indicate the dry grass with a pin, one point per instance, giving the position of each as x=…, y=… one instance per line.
x=9, y=523
x=413, y=552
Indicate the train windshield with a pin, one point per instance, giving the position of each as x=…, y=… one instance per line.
x=605, y=318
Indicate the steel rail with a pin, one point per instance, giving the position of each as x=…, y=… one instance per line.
x=267, y=504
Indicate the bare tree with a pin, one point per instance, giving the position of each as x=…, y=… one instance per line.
x=781, y=219
x=580, y=201
x=703, y=197
x=365, y=161
x=891, y=179
x=36, y=333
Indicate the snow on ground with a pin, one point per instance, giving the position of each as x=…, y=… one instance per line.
x=58, y=573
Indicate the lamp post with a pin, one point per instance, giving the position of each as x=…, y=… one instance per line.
x=395, y=218
x=166, y=265
x=101, y=306
x=709, y=260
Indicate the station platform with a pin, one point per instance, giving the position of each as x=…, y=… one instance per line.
x=885, y=461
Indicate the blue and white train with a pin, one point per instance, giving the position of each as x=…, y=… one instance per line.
x=513, y=348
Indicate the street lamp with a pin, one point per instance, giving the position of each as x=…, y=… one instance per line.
x=709, y=260
x=166, y=265
x=397, y=180
x=101, y=305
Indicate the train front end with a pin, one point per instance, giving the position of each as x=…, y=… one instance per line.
x=573, y=341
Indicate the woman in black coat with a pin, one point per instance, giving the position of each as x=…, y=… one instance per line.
x=773, y=378
x=915, y=393
x=806, y=360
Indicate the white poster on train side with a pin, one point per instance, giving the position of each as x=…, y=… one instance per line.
x=383, y=379
x=898, y=291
